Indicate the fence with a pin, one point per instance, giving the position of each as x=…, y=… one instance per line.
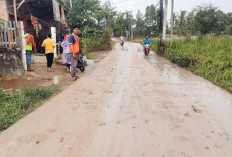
x=12, y=39
x=8, y=35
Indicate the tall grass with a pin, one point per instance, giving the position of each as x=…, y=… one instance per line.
x=209, y=57
x=15, y=106
x=91, y=44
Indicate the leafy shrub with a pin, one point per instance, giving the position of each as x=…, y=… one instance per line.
x=91, y=44
x=181, y=59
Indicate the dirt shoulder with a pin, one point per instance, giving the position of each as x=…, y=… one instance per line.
x=41, y=77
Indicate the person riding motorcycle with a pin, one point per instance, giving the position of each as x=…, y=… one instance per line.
x=146, y=41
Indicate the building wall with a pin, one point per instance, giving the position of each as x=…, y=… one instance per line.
x=3, y=10
x=11, y=62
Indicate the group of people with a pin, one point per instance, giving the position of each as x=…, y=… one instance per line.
x=71, y=51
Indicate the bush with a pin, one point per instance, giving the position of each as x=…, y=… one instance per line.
x=180, y=59
x=91, y=44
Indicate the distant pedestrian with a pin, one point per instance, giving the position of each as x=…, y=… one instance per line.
x=29, y=40
x=66, y=56
x=74, y=51
x=49, y=51
x=122, y=41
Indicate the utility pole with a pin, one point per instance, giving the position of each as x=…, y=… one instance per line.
x=15, y=14
x=71, y=3
x=132, y=33
x=165, y=19
x=161, y=17
x=132, y=36
x=172, y=19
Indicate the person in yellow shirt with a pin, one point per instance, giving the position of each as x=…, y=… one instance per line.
x=49, y=51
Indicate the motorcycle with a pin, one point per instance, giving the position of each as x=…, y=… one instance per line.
x=81, y=64
x=146, y=49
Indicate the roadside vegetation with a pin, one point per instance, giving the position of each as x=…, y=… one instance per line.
x=96, y=22
x=207, y=56
x=202, y=44
x=17, y=105
x=92, y=43
x=202, y=20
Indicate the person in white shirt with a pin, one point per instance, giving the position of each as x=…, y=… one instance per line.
x=66, y=57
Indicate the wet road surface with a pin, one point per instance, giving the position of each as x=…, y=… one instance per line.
x=129, y=106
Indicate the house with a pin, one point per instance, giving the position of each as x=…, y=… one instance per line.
x=39, y=16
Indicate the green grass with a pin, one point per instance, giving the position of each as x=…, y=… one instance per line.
x=90, y=56
x=209, y=57
x=94, y=44
x=15, y=106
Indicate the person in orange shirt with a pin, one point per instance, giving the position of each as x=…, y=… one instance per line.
x=29, y=39
x=49, y=51
x=74, y=50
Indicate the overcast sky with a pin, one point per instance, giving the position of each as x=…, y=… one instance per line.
x=188, y=5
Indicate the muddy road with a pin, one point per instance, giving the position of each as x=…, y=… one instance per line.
x=129, y=106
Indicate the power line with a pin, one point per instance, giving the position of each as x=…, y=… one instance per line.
x=120, y=1
x=157, y=4
x=135, y=4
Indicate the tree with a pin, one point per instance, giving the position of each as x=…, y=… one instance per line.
x=119, y=25
x=140, y=23
x=83, y=13
x=128, y=21
x=229, y=24
x=190, y=23
x=109, y=15
x=210, y=20
x=151, y=20
x=182, y=21
x=176, y=24
x=106, y=15
x=66, y=2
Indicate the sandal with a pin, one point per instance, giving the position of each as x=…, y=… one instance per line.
x=76, y=77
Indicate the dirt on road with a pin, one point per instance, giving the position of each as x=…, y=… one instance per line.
x=129, y=106
x=41, y=77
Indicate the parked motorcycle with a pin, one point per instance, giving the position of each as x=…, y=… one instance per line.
x=81, y=64
x=146, y=49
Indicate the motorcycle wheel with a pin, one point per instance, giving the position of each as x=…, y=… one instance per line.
x=82, y=68
x=146, y=53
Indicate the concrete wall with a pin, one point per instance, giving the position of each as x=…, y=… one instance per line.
x=11, y=62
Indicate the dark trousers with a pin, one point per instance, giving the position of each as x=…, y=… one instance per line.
x=49, y=57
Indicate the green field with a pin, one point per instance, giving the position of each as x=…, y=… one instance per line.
x=209, y=57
